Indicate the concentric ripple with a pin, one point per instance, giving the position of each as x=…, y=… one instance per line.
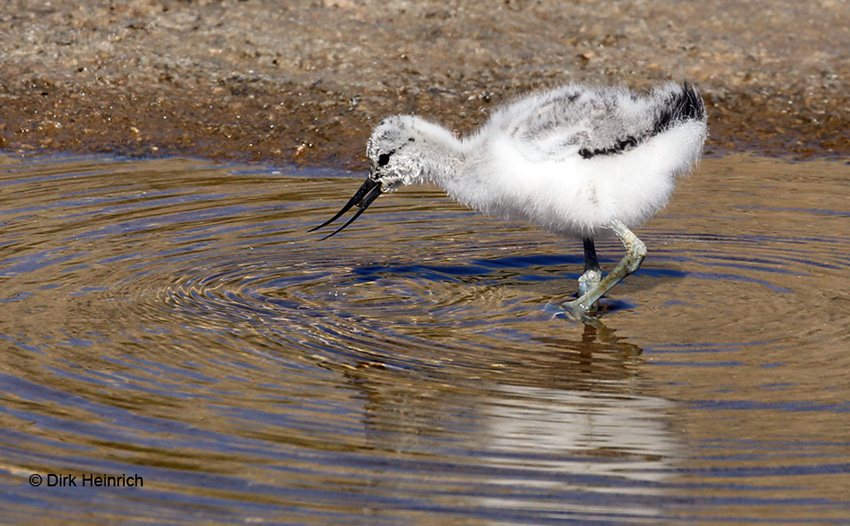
x=173, y=319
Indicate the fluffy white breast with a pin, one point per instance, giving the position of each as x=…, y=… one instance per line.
x=573, y=196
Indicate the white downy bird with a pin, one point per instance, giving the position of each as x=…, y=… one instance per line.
x=576, y=160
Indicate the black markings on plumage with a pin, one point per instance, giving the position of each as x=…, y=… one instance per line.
x=384, y=158
x=621, y=146
x=682, y=106
x=678, y=107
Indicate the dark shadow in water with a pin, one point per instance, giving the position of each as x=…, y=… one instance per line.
x=522, y=272
x=483, y=267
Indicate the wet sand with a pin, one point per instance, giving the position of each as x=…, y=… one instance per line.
x=304, y=81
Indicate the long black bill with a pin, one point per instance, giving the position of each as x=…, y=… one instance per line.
x=362, y=198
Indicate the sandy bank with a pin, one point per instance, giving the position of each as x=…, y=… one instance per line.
x=304, y=81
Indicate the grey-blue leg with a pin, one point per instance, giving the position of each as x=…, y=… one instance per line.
x=635, y=253
x=592, y=273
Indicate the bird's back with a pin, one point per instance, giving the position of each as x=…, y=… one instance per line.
x=577, y=120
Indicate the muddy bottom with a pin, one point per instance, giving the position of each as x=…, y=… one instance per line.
x=171, y=321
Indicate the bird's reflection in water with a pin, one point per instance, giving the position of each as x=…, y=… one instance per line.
x=560, y=429
x=597, y=337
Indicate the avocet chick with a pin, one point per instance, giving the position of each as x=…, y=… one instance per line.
x=579, y=161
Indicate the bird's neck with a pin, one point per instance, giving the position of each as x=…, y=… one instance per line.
x=455, y=166
x=443, y=157
x=444, y=167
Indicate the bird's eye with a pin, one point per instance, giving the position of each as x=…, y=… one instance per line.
x=383, y=159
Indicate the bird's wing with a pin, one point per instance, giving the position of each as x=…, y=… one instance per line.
x=576, y=121
x=549, y=127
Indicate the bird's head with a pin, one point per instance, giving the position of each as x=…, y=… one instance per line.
x=394, y=161
x=394, y=156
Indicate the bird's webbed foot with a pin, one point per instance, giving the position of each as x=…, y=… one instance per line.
x=578, y=310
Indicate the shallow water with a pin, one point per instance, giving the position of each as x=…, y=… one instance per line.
x=172, y=319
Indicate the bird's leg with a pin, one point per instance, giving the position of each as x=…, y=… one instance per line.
x=592, y=273
x=635, y=252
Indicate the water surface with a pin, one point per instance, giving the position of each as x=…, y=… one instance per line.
x=172, y=319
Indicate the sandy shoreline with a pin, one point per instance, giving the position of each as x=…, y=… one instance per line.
x=304, y=81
